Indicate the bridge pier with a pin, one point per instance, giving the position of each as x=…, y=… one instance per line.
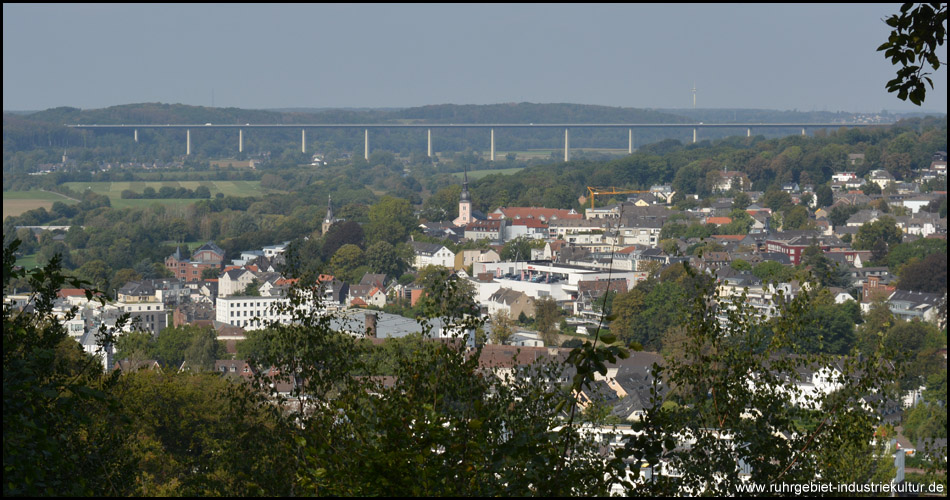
x=240, y=140
x=366, y=144
x=694, y=135
x=630, y=141
x=567, y=147
x=492, y=144
x=803, y=130
x=136, y=135
x=303, y=140
x=748, y=132
x=429, y=149
x=187, y=142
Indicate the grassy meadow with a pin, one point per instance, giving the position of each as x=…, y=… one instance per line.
x=17, y=202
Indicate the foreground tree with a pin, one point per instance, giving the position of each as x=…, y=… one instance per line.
x=62, y=433
x=918, y=30
x=729, y=405
x=324, y=421
x=438, y=426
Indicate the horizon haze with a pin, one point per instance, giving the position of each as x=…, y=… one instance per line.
x=251, y=56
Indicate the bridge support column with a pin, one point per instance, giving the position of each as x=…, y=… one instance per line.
x=748, y=132
x=366, y=144
x=567, y=147
x=492, y=144
x=240, y=140
x=694, y=136
x=630, y=141
x=303, y=140
x=429, y=133
x=803, y=131
x=136, y=135
x=187, y=141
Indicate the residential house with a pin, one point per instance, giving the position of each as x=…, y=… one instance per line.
x=207, y=256
x=917, y=305
x=513, y=302
x=732, y=180
x=137, y=291
x=432, y=254
x=234, y=281
x=880, y=177
x=793, y=243
x=875, y=287
x=492, y=230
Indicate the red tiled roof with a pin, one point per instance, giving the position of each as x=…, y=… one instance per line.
x=529, y=223
x=542, y=213
x=718, y=220
x=735, y=237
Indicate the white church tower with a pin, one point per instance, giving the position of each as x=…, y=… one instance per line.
x=465, y=204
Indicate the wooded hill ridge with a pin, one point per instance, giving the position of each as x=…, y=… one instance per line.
x=158, y=113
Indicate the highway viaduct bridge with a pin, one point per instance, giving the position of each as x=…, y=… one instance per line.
x=429, y=126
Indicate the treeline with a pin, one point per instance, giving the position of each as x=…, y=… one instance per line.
x=166, y=192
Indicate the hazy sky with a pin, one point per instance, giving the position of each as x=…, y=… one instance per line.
x=805, y=57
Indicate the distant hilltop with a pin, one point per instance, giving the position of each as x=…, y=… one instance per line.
x=524, y=112
x=158, y=113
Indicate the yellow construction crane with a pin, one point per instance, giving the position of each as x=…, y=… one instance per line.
x=609, y=190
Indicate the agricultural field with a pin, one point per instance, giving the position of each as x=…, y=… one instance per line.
x=114, y=190
x=27, y=261
x=230, y=162
x=17, y=202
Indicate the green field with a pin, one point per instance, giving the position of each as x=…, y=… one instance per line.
x=17, y=202
x=27, y=261
x=114, y=190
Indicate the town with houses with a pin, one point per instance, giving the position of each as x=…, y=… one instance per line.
x=349, y=257
x=575, y=258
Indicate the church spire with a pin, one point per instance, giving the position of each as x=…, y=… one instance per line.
x=465, y=195
x=465, y=203
x=329, y=219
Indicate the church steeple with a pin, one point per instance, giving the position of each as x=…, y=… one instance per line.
x=465, y=196
x=329, y=216
x=465, y=203
x=329, y=219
